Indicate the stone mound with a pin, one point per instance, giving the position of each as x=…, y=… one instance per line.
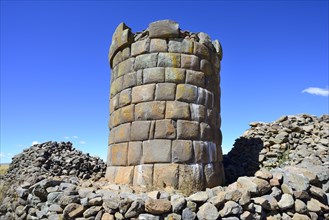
x=54, y=159
x=291, y=140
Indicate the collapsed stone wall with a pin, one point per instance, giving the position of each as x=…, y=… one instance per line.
x=164, y=108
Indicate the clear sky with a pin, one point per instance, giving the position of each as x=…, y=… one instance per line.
x=55, y=76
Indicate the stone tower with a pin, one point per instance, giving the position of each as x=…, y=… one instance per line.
x=164, y=108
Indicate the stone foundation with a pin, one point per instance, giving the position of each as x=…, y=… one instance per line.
x=164, y=108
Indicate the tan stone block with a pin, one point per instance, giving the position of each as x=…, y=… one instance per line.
x=129, y=80
x=163, y=29
x=158, y=45
x=198, y=112
x=153, y=75
x=110, y=174
x=124, y=175
x=201, y=50
x=200, y=152
x=117, y=59
x=190, y=62
x=116, y=86
x=152, y=128
x=157, y=151
x=127, y=114
x=165, y=129
x=115, y=118
x=143, y=93
x=139, y=76
x=114, y=73
x=182, y=151
x=191, y=178
x=119, y=154
x=140, y=130
x=168, y=60
x=126, y=66
x=187, y=130
x=174, y=75
x=212, y=151
x=165, y=91
x=140, y=47
x=109, y=155
x=135, y=152
x=180, y=45
x=150, y=110
x=206, y=67
x=195, y=78
x=125, y=97
x=114, y=103
x=206, y=133
x=143, y=175
x=111, y=136
x=166, y=175
x=177, y=110
x=125, y=53
x=146, y=61
x=212, y=175
x=186, y=93
x=122, y=133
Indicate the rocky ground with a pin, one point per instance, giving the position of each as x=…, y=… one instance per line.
x=277, y=170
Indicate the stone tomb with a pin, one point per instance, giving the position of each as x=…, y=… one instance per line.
x=164, y=108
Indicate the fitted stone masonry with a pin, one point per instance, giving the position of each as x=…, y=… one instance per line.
x=164, y=108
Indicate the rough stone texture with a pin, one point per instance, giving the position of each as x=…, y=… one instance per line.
x=164, y=95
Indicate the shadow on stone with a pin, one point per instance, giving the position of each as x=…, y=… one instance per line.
x=243, y=159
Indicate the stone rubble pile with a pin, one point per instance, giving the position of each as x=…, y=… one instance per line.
x=298, y=140
x=54, y=159
x=296, y=190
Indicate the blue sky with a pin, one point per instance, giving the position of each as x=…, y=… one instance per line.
x=55, y=74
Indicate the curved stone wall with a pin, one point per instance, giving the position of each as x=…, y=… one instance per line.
x=164, y=108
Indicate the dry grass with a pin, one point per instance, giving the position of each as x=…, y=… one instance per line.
x=3, y=169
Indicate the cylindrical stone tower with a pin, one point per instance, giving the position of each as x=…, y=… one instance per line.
x=164, y=108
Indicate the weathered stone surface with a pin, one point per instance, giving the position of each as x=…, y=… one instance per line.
x=157, y=151
x=191, y=62
x=300, y=206
x=92, y=211
x=125, y=97
x=122, y=133
x=187, y=130
x=146, y=61
x=186, y=93
x=119, y=154
x=177, y=110
x=165, y=129
x=116, y=86
x=150, y=110
x=188, y=214
x=200, y=152
x=206, y=132
x=206, y=67
x=158, y=45
x=179, y=45
x=195, y=78
x=174, y=75
x=154, y=75
x=73, y=210
x=182, y=151
x=140, y=130
x=230, y=208
x=286, y=202
x=177, y=202
x=165, y=91
x=163, y=29
x=126, y=67
x=199, y=197
x=129, y=80
x=143, y=93
x=140, y=47
x=298, y=216
x=166, y=175
x=169, y=60
x=134, y=153
x=143, y=175
x=207, y=212
x=201, y=50
x=157, y=206
x=124, y=175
